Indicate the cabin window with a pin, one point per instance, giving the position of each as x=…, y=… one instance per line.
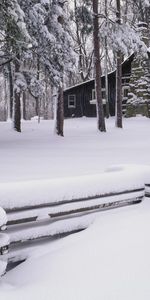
x=71, y=101
x=103, y=95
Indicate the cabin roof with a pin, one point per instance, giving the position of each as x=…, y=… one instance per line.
x=78, y=84
x=124, y=64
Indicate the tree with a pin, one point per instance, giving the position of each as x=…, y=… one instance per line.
x=64, y=56
x=60, y=112
x=51, y=46
x=118, y=74
x=15, y=37
x=124, y=38
x=99, y=104
x=106, y=59
x=82, y=36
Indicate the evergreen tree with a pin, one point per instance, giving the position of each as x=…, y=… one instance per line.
x=82, y=35
x=15, y=39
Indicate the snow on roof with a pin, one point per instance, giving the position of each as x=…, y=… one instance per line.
x=92, y=79
x=82, y=83
x=79, y=84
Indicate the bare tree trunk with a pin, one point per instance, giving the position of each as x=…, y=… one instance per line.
x=11, y=93
x=24, y=106
x=99, y=104
x=17, y=111
x=17, y=94
x=46, y=99
x=106, y=57
x=118, y=75
x=6, y=100
x=60, y=112
x=38, y=101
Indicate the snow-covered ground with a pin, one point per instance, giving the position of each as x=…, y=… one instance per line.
x=36, y=153
x=110, y=260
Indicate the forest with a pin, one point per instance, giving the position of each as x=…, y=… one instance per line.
x=48, y=45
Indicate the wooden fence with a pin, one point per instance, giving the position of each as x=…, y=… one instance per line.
x=26, y=225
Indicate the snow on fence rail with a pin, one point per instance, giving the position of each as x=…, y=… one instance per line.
x=38, y=210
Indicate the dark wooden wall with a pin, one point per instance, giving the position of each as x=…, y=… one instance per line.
x=83, y=107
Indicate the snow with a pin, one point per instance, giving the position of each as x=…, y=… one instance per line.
x=65, y=189
x=143, y=169
x=37, y=153
x=56, y=228
x=3, y=265
x=46, y=213
x=109, y=260
x=3, y=217
x=47, y=228
x=4, y=242
x=4, y=239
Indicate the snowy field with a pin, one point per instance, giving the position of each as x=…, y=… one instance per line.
x=36, y=153
x=111, y=259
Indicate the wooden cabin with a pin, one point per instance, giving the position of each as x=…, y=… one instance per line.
x=79, y=100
